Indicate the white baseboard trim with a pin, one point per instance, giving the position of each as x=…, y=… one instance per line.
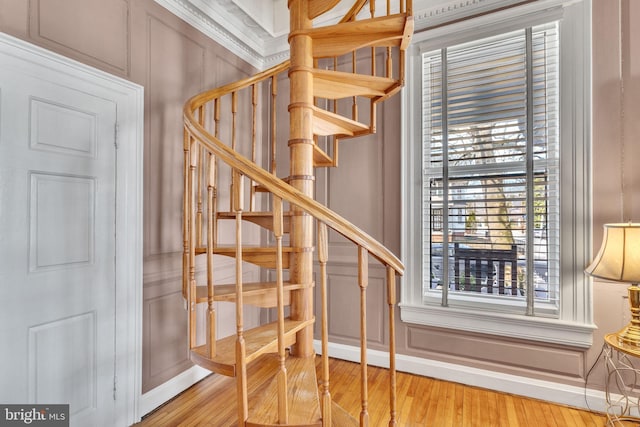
x=164, y=392
x=562, y=394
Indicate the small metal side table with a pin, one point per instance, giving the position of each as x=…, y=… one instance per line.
x=622, y=385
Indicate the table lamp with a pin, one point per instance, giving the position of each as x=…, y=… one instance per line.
x=619, y=260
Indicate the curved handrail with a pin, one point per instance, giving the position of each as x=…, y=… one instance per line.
x=272, y=183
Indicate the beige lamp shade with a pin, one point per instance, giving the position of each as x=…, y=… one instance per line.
x=619, y=255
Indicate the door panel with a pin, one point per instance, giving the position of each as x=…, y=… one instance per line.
x=57, y=246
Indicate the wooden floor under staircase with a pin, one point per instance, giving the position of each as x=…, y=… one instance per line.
x=422, y=402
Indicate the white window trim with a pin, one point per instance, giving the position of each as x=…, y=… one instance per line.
x=574, y=325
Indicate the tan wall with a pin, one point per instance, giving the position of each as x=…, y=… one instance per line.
x=374, y=162
x=142, y=42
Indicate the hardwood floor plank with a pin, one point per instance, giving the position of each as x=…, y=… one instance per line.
x=421, y=402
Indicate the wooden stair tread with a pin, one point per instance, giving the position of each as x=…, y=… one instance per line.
x=331, y=84
x=337, y=40
x=224, y=250
x=302, y=391
x=258, y=255
x=258, y=341
x=251, y=291
x=341, y=418
x=262, y=218
x=328, y=123
x=320, y=158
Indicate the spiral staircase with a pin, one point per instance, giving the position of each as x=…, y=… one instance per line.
x=225, y=183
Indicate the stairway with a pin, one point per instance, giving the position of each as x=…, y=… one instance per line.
x=222, y=177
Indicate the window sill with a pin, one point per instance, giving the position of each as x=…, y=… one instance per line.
x=553, y=331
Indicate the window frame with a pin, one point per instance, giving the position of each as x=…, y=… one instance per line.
x=573, y=325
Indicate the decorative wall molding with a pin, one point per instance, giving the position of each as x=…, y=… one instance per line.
x=562, y=394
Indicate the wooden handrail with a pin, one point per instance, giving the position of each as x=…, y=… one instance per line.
x=283, y=190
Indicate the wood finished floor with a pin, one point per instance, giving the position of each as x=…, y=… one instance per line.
x=422, y=402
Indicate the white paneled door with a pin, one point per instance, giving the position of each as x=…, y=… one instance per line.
x=58, y=330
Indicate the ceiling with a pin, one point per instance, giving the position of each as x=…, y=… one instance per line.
x=256, y=30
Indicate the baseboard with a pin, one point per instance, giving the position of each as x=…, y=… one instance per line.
x=563, y=394
x=164, y=392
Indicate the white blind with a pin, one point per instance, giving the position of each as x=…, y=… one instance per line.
x=491, y=167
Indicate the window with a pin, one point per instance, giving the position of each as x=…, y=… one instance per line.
x=491, y=161
x=496, y=177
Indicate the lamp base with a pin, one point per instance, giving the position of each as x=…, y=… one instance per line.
x=630, y=334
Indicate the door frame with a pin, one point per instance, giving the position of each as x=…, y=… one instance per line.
x=129, y=100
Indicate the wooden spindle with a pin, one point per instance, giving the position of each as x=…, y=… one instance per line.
x=254, y=121
x=363, y=282
x=186, y=215
x=354, y=107
x=211, y=225
x=199, y=191
x=372, y=8
x=373, y=119
x=325, y=398
x=191, y=300
x=402, y=6
x=391, y=300
x=234, y=118
x=278, y=228
x=402, y=67
x=409, y=7
x=389, y=7
x=216, y=133
x=335, y=68
x=241, y=361
x=274, y=96
x=216, y=118
x=389, y=70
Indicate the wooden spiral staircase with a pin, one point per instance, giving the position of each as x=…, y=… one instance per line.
x=286, y=392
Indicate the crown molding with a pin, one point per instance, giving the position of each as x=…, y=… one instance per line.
x=218, y=30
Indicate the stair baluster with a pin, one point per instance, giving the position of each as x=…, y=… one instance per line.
x=237, y=199
x=354, y=106
x=214, y=203
x=283, y=408
x=274, y=133
x=323, y=256
x=191, y=300
x=391, y=300
x=254, y=114
x=186, y=215
x=199, y=192
x=234, y=119
x=363, y=282
x=211, y=225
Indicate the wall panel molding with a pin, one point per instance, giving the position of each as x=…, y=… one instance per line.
x=82, y=36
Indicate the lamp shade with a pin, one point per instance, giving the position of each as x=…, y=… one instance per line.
x=619, y=255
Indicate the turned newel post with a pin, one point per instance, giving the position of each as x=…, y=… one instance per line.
x=301, y=168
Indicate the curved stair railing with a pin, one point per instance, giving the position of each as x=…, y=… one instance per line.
x=233, y=113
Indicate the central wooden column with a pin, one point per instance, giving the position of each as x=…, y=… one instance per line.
x=301, y=169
